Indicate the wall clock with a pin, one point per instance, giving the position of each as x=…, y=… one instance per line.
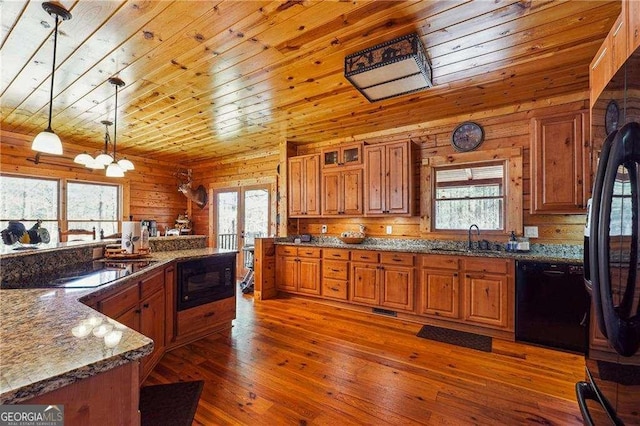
x=611, y=117
x=467, y=136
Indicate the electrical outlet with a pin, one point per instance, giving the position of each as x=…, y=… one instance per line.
x=389, y=229
x=531, y=231
x=323, y=229
x=97, y=253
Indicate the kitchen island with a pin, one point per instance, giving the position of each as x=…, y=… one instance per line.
x=42, y=352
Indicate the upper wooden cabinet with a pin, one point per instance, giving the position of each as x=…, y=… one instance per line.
x=304, y=186
x=347, y=155
x=559, y=163
x=633, y=25
x=388, y=179
x=623, y=39
x=342, y=192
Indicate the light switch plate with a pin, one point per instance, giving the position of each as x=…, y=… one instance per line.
x=389, y=229
x=323, y=229
x=531, y=231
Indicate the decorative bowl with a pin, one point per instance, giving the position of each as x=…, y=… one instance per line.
x=352, y=240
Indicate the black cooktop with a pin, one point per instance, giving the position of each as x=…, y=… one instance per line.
x=82, y=275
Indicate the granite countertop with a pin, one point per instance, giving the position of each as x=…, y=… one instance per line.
x=39, y=352
x=539, y=252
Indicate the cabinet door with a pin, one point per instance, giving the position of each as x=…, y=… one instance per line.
x=296, y=188
x=312, y=185
x=619, y=42
x=558, y=164
x=439, y=293
x=397, y=287
x=375, y=180
x=397, y=178
x=286, y=273
x=152, y=320
x=331, y=191
x=309, y=276
x=486, y=299
x=600, y=70
x=352, y=192
x=365, y=286
x=130, y=318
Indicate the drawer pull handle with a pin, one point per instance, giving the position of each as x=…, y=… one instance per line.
x=334, y=288
x=209, y=314
x=336, y=255
x=335, y=270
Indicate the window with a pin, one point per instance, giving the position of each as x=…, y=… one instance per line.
x=469, y=194
x=93, y=205
x=27, y=199
x=86, y=205
x=481, y=187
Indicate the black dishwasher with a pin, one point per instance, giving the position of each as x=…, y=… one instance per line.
x=552, y=306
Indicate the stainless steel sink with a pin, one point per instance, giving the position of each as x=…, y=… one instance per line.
x=449, y=250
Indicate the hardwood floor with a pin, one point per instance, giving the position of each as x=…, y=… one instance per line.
x=297, y=362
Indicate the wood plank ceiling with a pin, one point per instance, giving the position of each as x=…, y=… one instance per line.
x=209, y=79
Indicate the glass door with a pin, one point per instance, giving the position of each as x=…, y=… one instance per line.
x=242, y=215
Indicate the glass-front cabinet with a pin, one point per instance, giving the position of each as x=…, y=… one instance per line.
x=346, y=155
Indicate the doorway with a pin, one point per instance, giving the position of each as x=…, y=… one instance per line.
x=240, y=216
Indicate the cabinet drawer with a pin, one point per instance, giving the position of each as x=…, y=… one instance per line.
x=151, y=284
x=405, y=259
x=120, y=302
x=437, y=261
x=287, y=251
x=482, y=264
x=335, y=254
x=336, y=269
x=364, y=256
x=309, y=252
x=335, y=289
x=202, y=317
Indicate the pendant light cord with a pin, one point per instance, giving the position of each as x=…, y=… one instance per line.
x=115, y=126
x=53, y=73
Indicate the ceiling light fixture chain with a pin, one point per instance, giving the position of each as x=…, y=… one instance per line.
x=115, y=169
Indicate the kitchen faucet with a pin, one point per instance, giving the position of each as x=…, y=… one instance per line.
x=478, y=234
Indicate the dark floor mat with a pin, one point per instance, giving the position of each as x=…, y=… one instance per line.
x=455, y=337
x=174, y=404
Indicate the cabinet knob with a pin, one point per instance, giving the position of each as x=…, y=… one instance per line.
x=137, y=311
x=146, y=305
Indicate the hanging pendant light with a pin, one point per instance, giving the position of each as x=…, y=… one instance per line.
x=83, y=159
x=113, y=169
x=47, y=141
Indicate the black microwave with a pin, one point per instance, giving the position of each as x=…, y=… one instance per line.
x=206, y=280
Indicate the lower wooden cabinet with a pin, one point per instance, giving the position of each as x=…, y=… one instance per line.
x=141, y=306
x=439, y=288
x=298, y=269
x=476, y=291
x=335, y=274
x=387, y=281
x=465, y=290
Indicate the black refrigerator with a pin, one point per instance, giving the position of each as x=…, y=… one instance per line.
x=610, y=393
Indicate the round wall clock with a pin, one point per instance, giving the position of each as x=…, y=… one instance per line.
x=467, y=136
x=611, y=117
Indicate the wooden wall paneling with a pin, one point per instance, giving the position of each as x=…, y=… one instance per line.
x=150, y=191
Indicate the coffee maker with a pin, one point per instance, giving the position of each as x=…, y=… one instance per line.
x=152, y=226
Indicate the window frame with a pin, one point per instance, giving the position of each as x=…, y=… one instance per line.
x=64, y=215
x=496, y=181
x=62, y=219
x=511, y=158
